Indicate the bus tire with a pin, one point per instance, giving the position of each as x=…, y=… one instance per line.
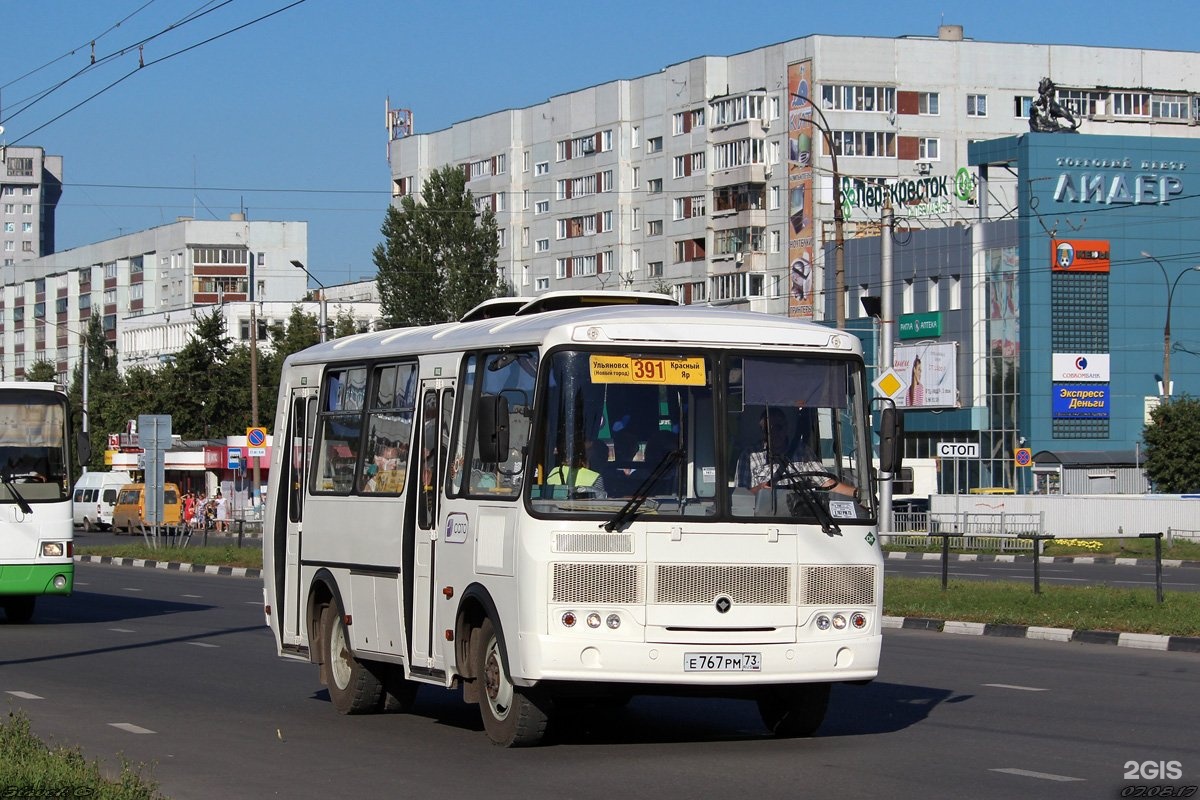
x=513, y=716
x=794, y=711
x=19, y=609
x=353, y=688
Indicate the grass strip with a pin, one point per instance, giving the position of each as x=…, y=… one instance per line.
x=1091, y=608
x=30, y=768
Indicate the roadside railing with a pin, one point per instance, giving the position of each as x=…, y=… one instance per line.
x=966, y=530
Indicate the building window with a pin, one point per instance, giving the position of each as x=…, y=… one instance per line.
x=934, y=298
x=954, y=293
x=654, y=144
x=773, y=108
x=907, y=300
x=542, y=207
x=865, y=144
x=1169, y=107
x=732, y=110
x=654, y=185
x=605, y=221
x=635, y=137
x=977, y=105
x=635, y=219
x=927, y=104
x=654, y=269
x=1131, y=104
x=927, y=149
x=773, y=195
x=1021, y=105
x=654, y=227
x=775, y=241
x=541, y=246
x=541, y=168
x=542, y=284
x=502, y=237
x=737, y=154
x=525, y=236
x=637, y=177
x=20, y=167
x=560, y=268
x=858, y=98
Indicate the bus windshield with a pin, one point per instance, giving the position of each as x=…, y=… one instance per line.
x=702, y=434
x=33, y=457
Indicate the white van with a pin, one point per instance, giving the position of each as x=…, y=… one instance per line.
x=95, y=495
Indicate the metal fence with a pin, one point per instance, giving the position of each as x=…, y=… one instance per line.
x=967, y=530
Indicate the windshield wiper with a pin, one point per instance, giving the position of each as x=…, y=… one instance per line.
x=640, y=495
x=801, y=486
x=9, y=484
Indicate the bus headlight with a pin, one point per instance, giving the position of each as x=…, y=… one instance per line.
x=60, y=582
x=614, y=621
x=593, y=620
x=53, y=549
x=823, y=622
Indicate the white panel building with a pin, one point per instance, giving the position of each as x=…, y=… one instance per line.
x=714, y=178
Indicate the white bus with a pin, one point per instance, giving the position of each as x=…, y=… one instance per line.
x=544, y=503
x=36, y=527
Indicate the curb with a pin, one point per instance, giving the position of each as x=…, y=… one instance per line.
x=1140, y=641
x=173, y=566
x=1006, y=559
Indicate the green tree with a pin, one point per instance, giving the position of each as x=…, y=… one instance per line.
x=1173, y=446
x=42, y=371
x=106, y=393
x=203, y=395
x=438, y=257
x=344, y=324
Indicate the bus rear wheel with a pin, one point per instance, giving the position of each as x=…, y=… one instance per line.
x=353, y=688
x=794, y=711
x=19, y=609
x=513, y=716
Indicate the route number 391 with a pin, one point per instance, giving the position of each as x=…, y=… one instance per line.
x=1153, y=770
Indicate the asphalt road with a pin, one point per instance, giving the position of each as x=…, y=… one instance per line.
x=177, y=671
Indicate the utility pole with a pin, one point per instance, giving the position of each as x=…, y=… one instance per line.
x=256, y=484
x=886, y=323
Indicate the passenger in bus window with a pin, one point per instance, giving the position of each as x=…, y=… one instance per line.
x=578, y=476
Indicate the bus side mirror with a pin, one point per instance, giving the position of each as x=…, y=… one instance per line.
x=493, y=428
x=891, y=444
x=83, y=449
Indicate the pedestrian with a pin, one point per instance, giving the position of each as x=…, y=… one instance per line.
x=222, y=513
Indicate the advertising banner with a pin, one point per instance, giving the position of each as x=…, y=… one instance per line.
x=1080, y=401
x=1090, y=367
x=800, y=191
x=931, y=371
x=1079, y=255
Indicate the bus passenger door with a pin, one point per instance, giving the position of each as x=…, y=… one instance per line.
x=437, y=407
x=287, y=527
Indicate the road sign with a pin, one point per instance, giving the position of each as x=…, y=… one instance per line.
x=256, y=441
x=235, y=458
x=958, y=449
x=1023, y=457
x=889, y=383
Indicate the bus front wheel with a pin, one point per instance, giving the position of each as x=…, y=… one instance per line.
x=513, y=716
x=794, y=711
x=18, y=609
x=353, y=688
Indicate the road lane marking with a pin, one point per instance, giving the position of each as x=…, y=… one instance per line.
x=192, y=596
x=202, y=644
x=131, y=589
x=129, y=727
x=1045, y=776
x=122, y=630
x=25, y=695
x=1014, y=686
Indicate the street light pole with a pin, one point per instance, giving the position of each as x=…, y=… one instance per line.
x=323, y=320
x=1170, y=287
x=839, y=268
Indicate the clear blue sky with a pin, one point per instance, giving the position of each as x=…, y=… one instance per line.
x=286, y=116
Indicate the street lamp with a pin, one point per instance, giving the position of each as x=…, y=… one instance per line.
x=322, y=322
x=1170, y=286
x=839, y=269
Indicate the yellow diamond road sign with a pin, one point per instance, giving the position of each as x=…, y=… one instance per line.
x=889, y=384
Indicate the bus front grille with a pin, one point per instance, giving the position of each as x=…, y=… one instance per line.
x=598, y=583
x=744, y=584
x=837, y=586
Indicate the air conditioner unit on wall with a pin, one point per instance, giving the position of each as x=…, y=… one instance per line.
x=924, y=167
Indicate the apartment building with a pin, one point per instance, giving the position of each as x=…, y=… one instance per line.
x=170, y=270
x=30, y=187
x=714, y=178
